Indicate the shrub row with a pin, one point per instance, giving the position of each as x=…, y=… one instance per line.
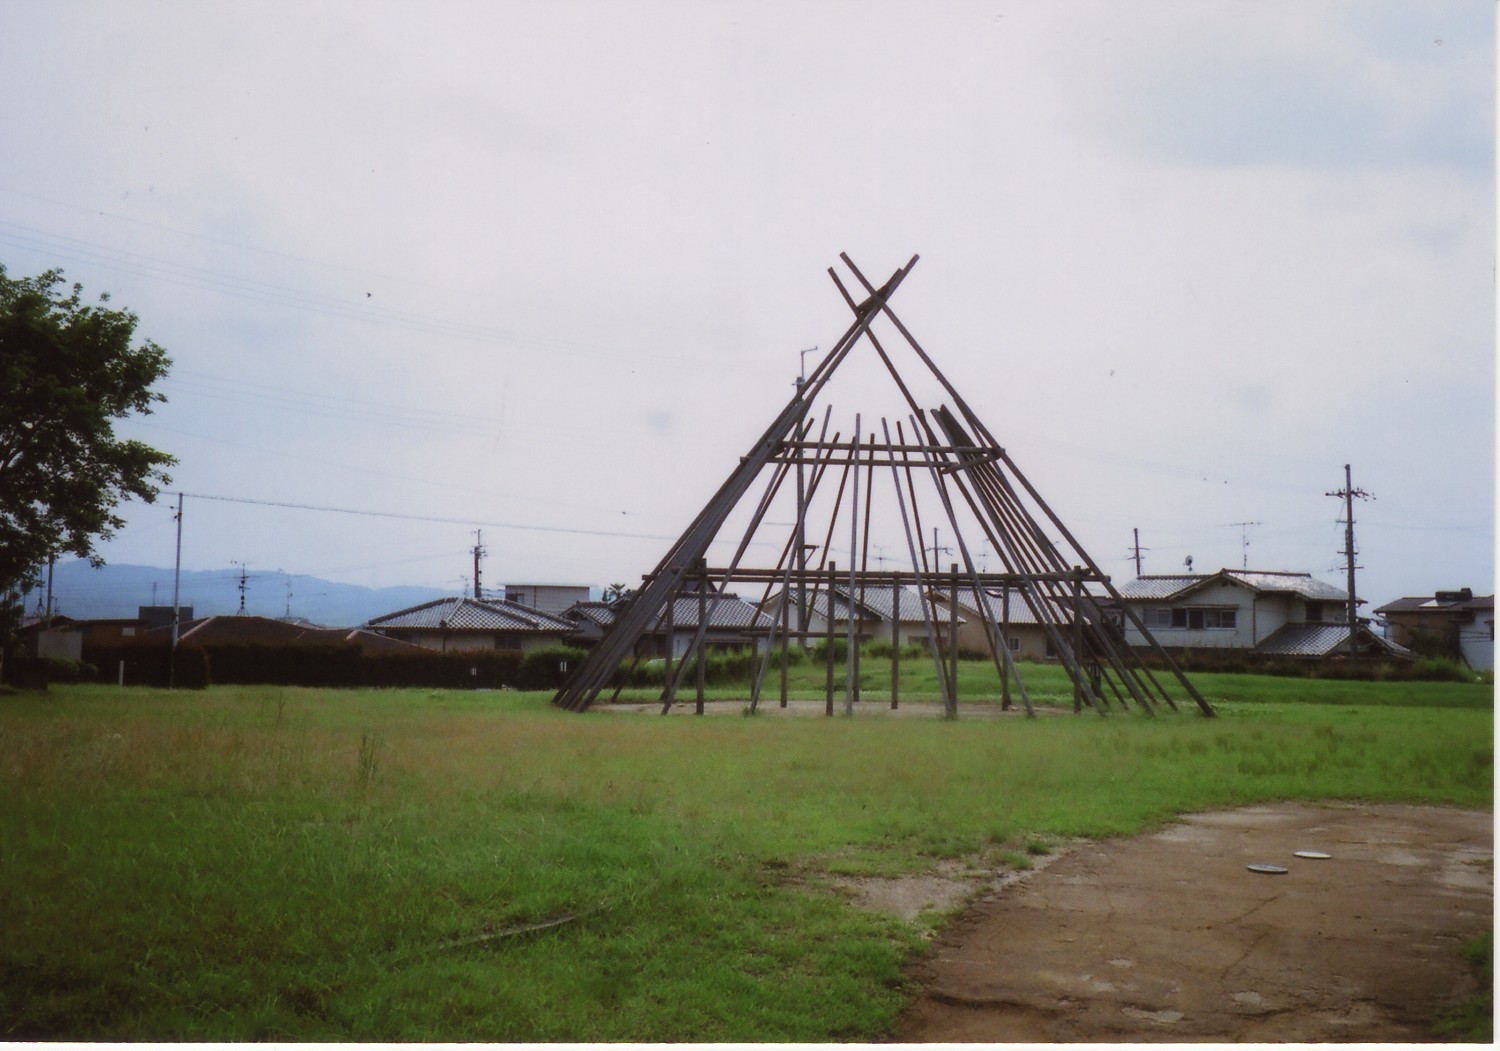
x=1364, y=669
x=331, y=666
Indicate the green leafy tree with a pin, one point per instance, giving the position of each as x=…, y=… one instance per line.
x=68, y=370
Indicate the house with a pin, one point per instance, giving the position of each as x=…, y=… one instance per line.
x=549, y=598
x=732, y=624
x=1007, y=607
x=880, y=614
x=1454, y=624
x=248, y=630
x=55, y=637
x=1246, y=611
x=467, y=624
x=590, y=621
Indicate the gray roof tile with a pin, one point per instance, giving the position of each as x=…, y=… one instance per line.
x=724, y=611
x=1318, y=640
x=1159, y=588
x=467, y=614
x=1019, y=611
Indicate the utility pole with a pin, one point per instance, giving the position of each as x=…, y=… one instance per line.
x=936, y=550
x=1136, y=533
x=478, y=554
x=1245, y=541
x=1347, y=494
x=176, y=598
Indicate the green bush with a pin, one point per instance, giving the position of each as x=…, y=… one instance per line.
x=479, y=669
x=1440, y=669
x=545, y=669
x=883, y=650
x=66, y=669
x=149, y=664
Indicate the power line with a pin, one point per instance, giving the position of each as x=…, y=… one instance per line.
x=406, y=516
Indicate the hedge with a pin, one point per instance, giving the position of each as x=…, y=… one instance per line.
x=332, y=665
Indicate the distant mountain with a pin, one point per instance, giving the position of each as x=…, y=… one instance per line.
x=84, y=593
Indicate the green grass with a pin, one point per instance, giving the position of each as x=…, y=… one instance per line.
x=1048, y=686
x=263, y=863
x=1473, y=1021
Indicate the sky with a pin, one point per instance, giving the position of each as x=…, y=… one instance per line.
x=545, y=270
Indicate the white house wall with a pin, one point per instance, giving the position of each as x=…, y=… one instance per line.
x=1476, y=641
x=912, y=633
x=1256, y=618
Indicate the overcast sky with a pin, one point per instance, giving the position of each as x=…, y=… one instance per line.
x=546, y=268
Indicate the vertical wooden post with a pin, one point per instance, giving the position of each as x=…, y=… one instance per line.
x=953, y=633
x=669, y=694
x=853, y=655
x=702, y=634
x=1078, y=686
x=1005, y=641
x=833, y=579
x=896, y=650
x=786, y=613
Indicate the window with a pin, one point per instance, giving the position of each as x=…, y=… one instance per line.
x=1015, y=641
x=1192, y=618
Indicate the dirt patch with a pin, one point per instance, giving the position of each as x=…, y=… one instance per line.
x=1170, y=937
x=927, y=896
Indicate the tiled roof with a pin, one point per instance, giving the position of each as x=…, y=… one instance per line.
x=875, y=603
x=1431, y=604
x=886, y=603
x=599, y=613
x=467, y=614
x=1020, y=612
x=266, y=631
x=1317, y=640
x=1158, y=588
x=1297, y=583
x=724, y=611
x=247, y=629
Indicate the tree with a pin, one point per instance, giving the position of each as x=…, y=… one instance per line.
x=68, y=371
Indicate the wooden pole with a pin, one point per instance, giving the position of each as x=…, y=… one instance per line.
x=833, y=580
x=703, y=645
x=1005, y=641
x=953, y=634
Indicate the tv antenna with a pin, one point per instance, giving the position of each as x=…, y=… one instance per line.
x=243, y=584
x=1244, y=528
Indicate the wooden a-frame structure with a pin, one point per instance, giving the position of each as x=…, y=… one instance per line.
x=943, y=463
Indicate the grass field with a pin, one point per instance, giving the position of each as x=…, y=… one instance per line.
x=266, y=863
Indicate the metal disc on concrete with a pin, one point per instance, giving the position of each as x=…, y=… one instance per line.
x=1269, y=870
x=1317, y=855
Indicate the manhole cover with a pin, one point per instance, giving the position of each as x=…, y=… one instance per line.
x=1269, y=870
